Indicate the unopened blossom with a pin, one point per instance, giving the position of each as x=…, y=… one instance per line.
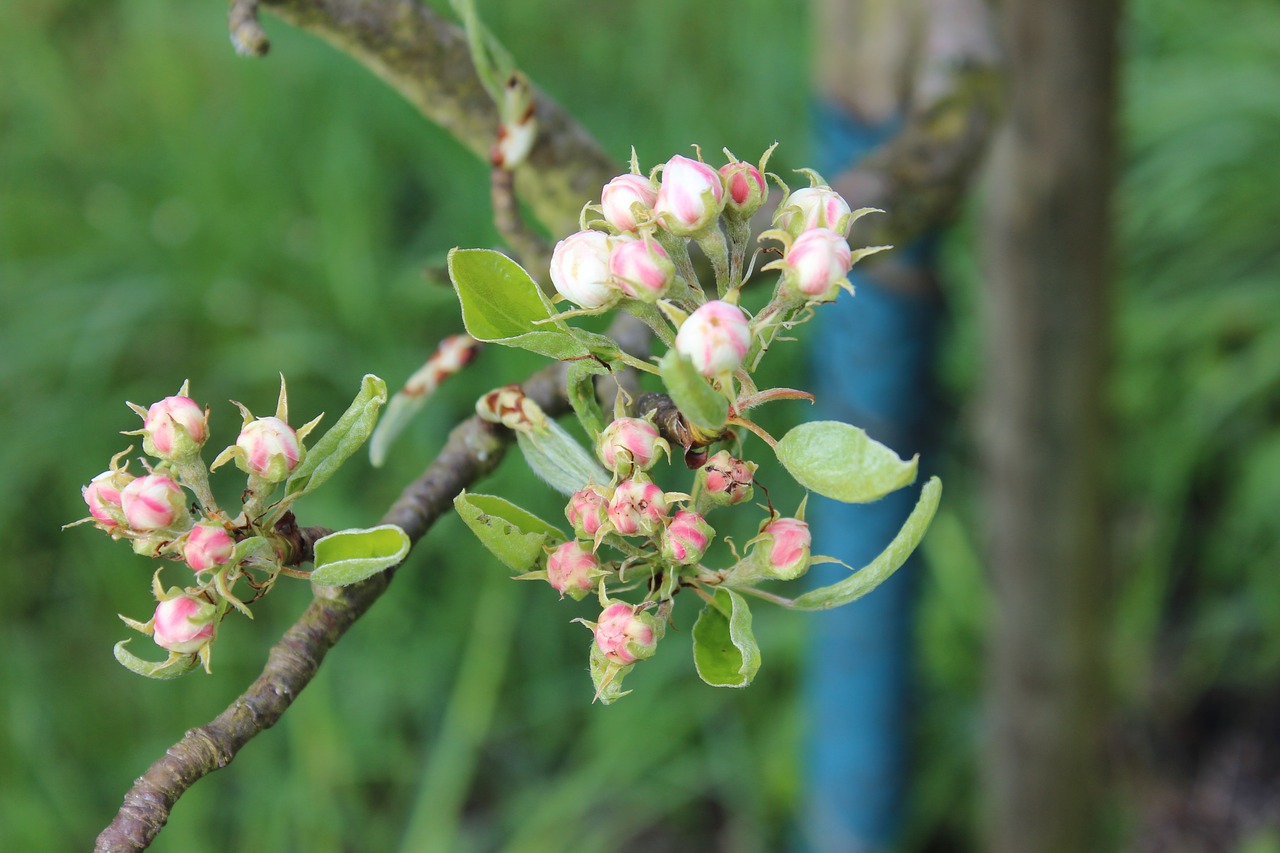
x=783, y=548
x=630, y=443
x=814, y=207
x=153, y=502
x=625, y=634
x=580, y=269
x=103, y=497
x=745, y=189
x=638, y=508
x=175, y=427
x=271, y=449
x=587, y=510
x=208, y=545
x=620, y=196
x=184, y=623
x=641, y=269
x=715, y=338
x=685, y=539
x=815, y=266
x=724, y=480
x=690, y=197
x=572, y=570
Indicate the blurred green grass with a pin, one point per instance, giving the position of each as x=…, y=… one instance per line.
x=170, y=211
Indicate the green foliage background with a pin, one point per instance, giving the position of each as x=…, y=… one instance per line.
x=168, y=210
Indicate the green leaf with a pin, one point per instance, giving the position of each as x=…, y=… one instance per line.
x=559, y=459
x=724, y=649
x=514, y=535
x=350, y=556
x=581, y=388
x=601, y=346
x=839, y=461
x=701, y=405
x=342, y=440
x=176, y=665
x=501, y=304
x=878, y=570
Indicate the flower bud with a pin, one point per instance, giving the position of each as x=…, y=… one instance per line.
x=572, y=570
x=725, y=481
x=629, y=443
x=208, y=545
x=103, y=497
x=782, y=548
x=271, y=449
x=745, y=188
x=815, y=266
x=580, y=269
x=153, y=502
x=619, y=196
x=587, y=510
x=814, y=207
x=638, y=508
x=715, y=338
x=686, y=538
x=184, y=623
x=641, y=269
x=626, y=635
x=690, y=197
x=174, y=428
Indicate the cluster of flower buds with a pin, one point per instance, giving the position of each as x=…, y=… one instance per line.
x=169, y=512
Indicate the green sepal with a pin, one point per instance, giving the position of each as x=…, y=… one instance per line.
x=342, y=440
x=724, y=649
x=607, y=676
x=175, y=666
x=840, y=461
x=878, y=570
x=582, y=394
x=701, y=405
x=501, y=304
x=514, y=535
x=350, y=556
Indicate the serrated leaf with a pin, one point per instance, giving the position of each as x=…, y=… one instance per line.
x=724, y=649
x=174, y=666
x=342, y=440
x=581, y=388
x=701, y=405
x=513, y=535
x=559, y=459
x=350, y=556
x=882, y=567
x=501, y=304
x=840, y=461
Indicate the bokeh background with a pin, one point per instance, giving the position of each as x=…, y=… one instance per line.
x=170, y=211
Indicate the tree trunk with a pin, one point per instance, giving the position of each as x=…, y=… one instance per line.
x=1046, y=233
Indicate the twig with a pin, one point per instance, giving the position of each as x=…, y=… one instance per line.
x=247, y=35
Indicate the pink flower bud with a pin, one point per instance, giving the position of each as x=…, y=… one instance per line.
x=629, y=443
x=103, y=497
x=784, y=548
x=271, y=449
x=618, y=197
x=587, y=510
x=815, y=266
x=715, y=338
x=175, y=427
x=638, y=508
x=572, y=570
x=208, y=545
x=625, y=635
x=814, y=207
x=686, y=538
x=746, y=189
x=184, y=623
x=641, y=269
x=725, y=481
x=580, y=269
x=153, y=502
x=690, y=196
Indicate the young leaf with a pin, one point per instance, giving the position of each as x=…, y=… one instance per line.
x=342, y=440
x=839, y=461
x=501, y=304
x=701, y=405
x=582, y=394
x=878, y=570
x=724, y=649
x=514, y=535
x=176, y=665
x=559, y=459
x=350, y=556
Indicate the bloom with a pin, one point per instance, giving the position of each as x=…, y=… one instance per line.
x=816, y=264
x=685, y=539
x=174, y=427
x=153, y=502
x=746, y=189
x=641, y=269
x=814, y=207
x=625, y=635
x=725, y=481
x=715, y=338
x=271, y=449
x=784, y=545
x=690, y=196
x=103, y=497
x=587, y=510
x=628, y=443
x=184, y=623
x=580, y=269
x=637, y=508
x=208, y=545
x=619, y=195
x=572, y=569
